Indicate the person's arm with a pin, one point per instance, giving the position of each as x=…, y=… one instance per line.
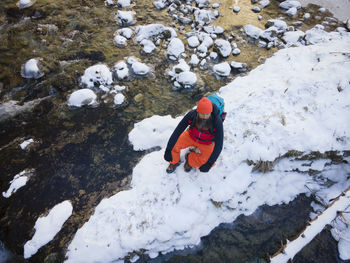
x=219, y=138
x=176, y=134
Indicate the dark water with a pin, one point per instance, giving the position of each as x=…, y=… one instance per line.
x=84, y=155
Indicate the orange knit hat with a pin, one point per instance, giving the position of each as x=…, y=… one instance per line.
x=204, y=106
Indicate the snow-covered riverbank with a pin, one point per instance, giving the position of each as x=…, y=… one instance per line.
x=298, y=100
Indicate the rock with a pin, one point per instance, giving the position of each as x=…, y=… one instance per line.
x=175, y=49
x=97, y=75
x=260, y=17
x=222, y=69
x=290, y=4
x=236, y=9
x=256, y=9
x=223, y=47
x=125, y=18
x=252, y=31
x=32, y=69
x=187, y=79
x=82, y=97
x=109, y=2
x=140, y=69
x=254, y=1
x=193, y=41
x=121, y=70
x=138, y=97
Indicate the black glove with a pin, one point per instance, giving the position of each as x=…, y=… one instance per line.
x=167, y=155
x=205, y=168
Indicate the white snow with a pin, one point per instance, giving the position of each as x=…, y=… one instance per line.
x=18, y=181
x=47, y=227
x=140, y=69
x=175, y=48
x=119, y=99
x=270, y=112
x=30, y=70
x=125, y=18
x=82, y=97
x=253, y=31
x=223, y=69
x=99, y=74
x=223, y=46
x=148, y=46
x=121, y=70
x=24, y=144
x=317, y=34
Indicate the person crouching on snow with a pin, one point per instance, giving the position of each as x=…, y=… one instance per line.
x=204, y=133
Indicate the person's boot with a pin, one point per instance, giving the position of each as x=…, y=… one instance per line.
x=187, y=166
x=172, y=167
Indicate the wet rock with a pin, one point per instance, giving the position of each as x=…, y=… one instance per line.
x=223, y=47
x=222, y=69
x=175, y=49
x=32, y=69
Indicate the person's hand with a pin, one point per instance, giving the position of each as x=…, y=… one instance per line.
x=167, y=155
x=205, y=168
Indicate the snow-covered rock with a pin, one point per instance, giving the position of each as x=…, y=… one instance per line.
x=148, y=46
x=236, y=51
x=175, y=49
x=241, y=67
x=222, y=69
x=252, y=31
x=82, y=97
x=202, y=49
x=317, y=34
x=277, y=23
x=223, y=46
x=187, y=79
x=202, y=3
x=293, y=38
x=292, y=11
x=32, y=69
x=213, y=55
x=236, y=9
x=307, y=16
x=182, y=66
x=124, y=3
x=25, y=3
x=119, y=99
x=47, y=227
x=264, y=3
x=290, y=4
x=203, y=17
x=120, y=41
x=97, y=75
x=154, y=32
x=121, y=70
x=256, y=9
x=140, y=69
x=125, y=18
x=193, y=41
x=24, y=144
x=160, y=4
x=194, y=60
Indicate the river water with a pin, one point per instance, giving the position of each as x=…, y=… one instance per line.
x=83, y=154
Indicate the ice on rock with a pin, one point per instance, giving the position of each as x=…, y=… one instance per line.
x=154, y=32
x=223, y=46
x=222, y=69
x=97, y=75
x=82, y=97
x=194, y=60
x=125, y=18
x=47, y=227
x=125, y=32
x=32, y=69
x=121, y=70
x=119, y=99
x=293, y=38
x=148, y=46
x=175, y=49
x=290, y=4
x=187, y=79
x=236, y=9
x=140, y=69
x=120, y=41
x=124, y=3
x=193, y=41
x=253, y=31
